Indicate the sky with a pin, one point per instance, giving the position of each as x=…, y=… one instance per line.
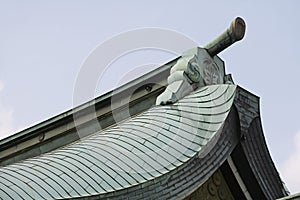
x=44, y=46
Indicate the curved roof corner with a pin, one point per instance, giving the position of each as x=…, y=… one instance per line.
x=132, y=153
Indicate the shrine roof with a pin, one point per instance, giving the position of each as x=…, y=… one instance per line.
x=137, y=150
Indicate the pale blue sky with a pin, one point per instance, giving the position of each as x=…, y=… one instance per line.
x=44, y=43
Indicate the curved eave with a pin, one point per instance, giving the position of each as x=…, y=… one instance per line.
x=252, y=156
x=135, y=153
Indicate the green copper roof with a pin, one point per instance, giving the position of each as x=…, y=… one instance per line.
x=133, y=152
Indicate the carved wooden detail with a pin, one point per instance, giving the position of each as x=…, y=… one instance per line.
x=215, y=188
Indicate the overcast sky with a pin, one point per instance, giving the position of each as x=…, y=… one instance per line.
x=43, y=45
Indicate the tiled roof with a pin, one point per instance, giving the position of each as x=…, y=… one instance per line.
x=140, y=149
